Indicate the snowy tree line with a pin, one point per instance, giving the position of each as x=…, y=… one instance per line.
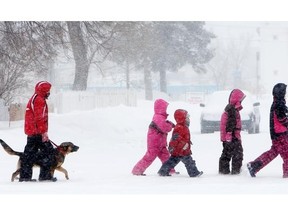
x=148, y=47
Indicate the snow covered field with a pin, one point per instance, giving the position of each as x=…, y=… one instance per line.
x=112, y=140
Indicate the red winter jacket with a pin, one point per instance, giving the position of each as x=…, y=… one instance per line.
x=230, y=126
x=180, y=144
x=36, y=115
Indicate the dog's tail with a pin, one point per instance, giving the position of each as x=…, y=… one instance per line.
x=9, y=150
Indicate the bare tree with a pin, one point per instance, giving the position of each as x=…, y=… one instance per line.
x=132, y=45
x=161, y=47
x=125, y=46
x=79, y=48
x=33, y=46
x=228, y=63
x=91, y=43
x=178, y=44
x=24, y=47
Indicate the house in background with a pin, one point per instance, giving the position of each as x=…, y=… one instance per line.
x=267, y=58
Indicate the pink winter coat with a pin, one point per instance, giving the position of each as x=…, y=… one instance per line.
x=160, y=126
x=278, y=112
x=230, y=125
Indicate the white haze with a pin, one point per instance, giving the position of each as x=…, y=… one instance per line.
x=112, y=140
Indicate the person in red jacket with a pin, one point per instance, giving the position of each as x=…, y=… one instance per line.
x=180, y=147
x=278, y=133
x=230, y=129
x=38, y=148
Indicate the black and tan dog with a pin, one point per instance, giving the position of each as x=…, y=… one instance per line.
x=59, y=156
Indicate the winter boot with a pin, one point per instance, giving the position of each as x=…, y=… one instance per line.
x=285, y=170
x=52, y=179
x=27, y=180
x=235, y=172
x=163, y=173
x=197, y=175
x=139, y=174
x=251, y=170
x=254, y=167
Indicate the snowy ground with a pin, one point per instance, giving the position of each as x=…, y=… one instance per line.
x=112, y=140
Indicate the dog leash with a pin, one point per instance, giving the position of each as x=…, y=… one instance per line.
x=54, y=144
x=57, y=147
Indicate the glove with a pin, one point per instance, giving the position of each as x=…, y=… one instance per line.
x=228, y=145
x=45, y=137
x=228, y=137
x=173, y=125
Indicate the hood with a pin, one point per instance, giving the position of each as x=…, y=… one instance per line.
x=180, y=116
x=42, y=88
x=279, y=91
x=236, y=97
x=160, y=107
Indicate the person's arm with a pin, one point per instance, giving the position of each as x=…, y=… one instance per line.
x=40, y=115
x=281, y=113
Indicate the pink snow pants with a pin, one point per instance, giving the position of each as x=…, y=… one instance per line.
x=279, y=146
x=151, y=154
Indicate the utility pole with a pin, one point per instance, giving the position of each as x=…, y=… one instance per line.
x=258, y=31
x=257, y=73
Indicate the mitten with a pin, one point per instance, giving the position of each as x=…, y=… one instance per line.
x=173, y=125
x=45, y=137
x=228, y=137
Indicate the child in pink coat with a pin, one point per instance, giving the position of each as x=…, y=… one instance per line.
x=156, y=138
x=278, y=133
x=230, y=134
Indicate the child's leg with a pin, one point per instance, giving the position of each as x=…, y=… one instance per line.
x=264, y=159
x=190, y=166
x=164, y=156
x=168, y=165
x=237, y=157
x=145, y=162
x=283, y=150
x=224, y=160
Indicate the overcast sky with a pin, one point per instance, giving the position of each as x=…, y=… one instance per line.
x=125, y=10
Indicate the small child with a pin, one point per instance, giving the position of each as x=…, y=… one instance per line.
x=156, y=138
x=278, y=133
x=180, y=147
x=230, y=128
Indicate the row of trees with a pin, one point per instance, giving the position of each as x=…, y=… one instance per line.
x=147, y=46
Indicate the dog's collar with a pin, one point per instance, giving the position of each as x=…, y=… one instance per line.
x=60, y=149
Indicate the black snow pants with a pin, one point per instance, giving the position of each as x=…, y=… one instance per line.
x=37, y=152
x=173, y=161
x=231, y=151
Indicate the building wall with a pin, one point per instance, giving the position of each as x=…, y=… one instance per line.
x=273, y=55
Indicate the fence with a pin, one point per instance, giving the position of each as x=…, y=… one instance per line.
x=68, y=101
x=4, y=113
x=16, y=111
x=84, y=100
